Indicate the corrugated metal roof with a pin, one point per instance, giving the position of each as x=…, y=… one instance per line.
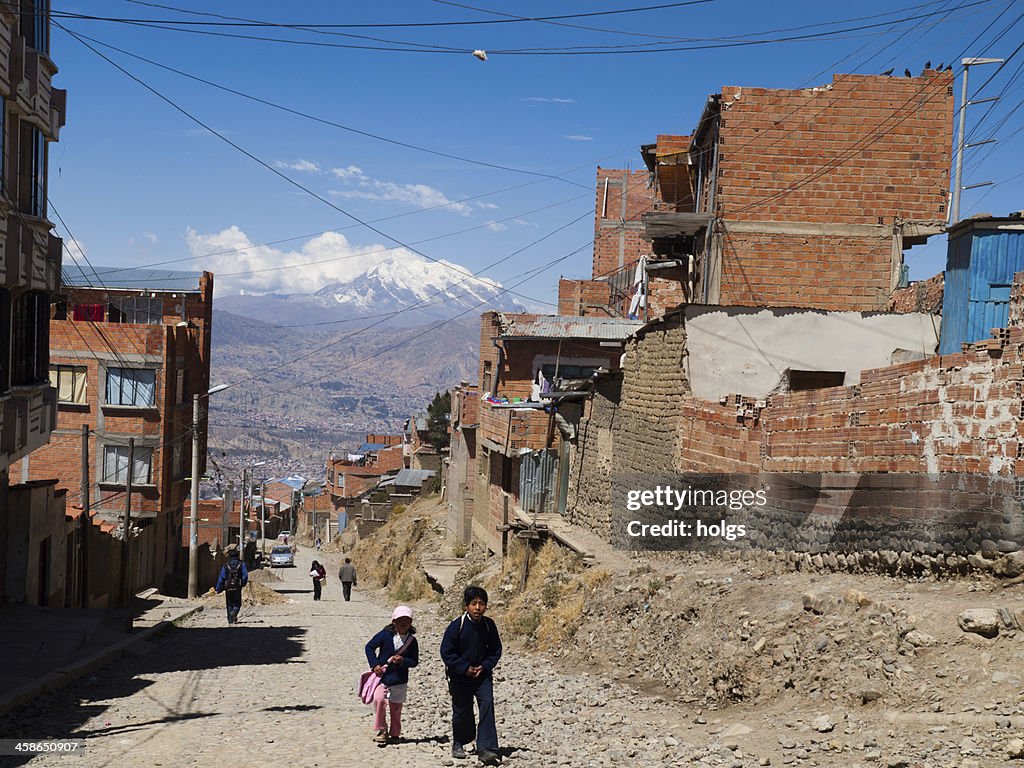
x=413, y=477
x=295, y=482
x=566, y=327
x=129, y=278
x=421, y=424
x=367, y=447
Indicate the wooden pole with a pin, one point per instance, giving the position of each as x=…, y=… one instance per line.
x=83, y=565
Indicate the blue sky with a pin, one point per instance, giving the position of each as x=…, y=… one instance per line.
x=139, y=183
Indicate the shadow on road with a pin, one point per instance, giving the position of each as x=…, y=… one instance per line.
x=62, y=714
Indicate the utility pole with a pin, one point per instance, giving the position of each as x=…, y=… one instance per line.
x=126, y=550
x=263, y=518
x=86, y=527
x=229, y=506
x=193, y=520
x=954, y=214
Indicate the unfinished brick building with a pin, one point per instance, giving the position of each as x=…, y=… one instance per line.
x=128, y=349
x=816, y=192
x=803, y=198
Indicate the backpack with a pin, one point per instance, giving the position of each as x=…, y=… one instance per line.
x=233, y=575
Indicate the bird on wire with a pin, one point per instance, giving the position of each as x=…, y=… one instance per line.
x=888, y=72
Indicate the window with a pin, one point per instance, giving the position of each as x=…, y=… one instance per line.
x=179, y=387
x=131, y=386
x=568, y=371
x=800, y=381
x=5, y=340
x=37, y=201
x=136, y=309
x=115, y=465
x=30, y=354
x=70, y=383
x=35, y=24
x=32, y=171
x=487, y=378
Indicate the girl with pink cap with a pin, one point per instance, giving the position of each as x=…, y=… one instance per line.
x=390, y=654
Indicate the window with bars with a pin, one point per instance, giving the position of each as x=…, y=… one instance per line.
x=131, y=387
x=115, y=465
x=70, y=382
x=30, y=339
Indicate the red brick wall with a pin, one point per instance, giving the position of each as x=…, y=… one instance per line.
x=920, y=296
x=617, y=225
x=584, y=298
x=824, y=272
x=868, y=150
x=868, y=147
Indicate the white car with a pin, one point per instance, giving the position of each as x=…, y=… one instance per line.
x=282, y=557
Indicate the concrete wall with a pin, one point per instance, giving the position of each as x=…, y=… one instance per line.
x=745, y=350
x=35, y=560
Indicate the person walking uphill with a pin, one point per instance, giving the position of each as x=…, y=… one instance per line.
x=318, y=573
x=471, y=649
x=233, y=576
x=347, y=575
x=390, y=654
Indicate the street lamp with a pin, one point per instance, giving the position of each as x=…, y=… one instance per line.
x=193, y=523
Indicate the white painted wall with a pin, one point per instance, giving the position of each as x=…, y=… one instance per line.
x=746, y=350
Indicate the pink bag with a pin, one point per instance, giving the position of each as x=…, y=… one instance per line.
x=367, y=684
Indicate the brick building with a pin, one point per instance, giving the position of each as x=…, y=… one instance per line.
x=797, y=198
x=128, y=349
x=533, y=375
x=908, y=468
x=34, y=558
x=354, y=476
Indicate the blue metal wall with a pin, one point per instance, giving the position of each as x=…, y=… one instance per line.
x=979, y=270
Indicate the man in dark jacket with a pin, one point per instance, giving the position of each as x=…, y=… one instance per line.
x=233, y=576
x=347, y=575
x=471, y=649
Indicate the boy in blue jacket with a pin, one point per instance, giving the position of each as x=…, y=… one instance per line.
x=390, y=653
x=471, y=649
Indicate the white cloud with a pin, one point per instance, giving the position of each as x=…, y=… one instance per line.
x=488, y=206
x=549, y=100
x=419, y=195
x=151, y=236
x=495, y=226
x=291, y=271
x=302, y=166
x=352, y=172
x=578, y=137
x=75, y=252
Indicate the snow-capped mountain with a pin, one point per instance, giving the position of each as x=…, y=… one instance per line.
x=415, y=290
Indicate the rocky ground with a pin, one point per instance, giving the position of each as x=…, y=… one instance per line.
x=700, y=662
x=736, y=661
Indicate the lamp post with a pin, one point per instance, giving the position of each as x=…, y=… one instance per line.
x=193, y=522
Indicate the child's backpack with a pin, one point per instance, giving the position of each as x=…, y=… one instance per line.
x=233, y=576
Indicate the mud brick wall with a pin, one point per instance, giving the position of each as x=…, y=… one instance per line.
x=592, y=462
x=654, y=384
x=915, y=467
